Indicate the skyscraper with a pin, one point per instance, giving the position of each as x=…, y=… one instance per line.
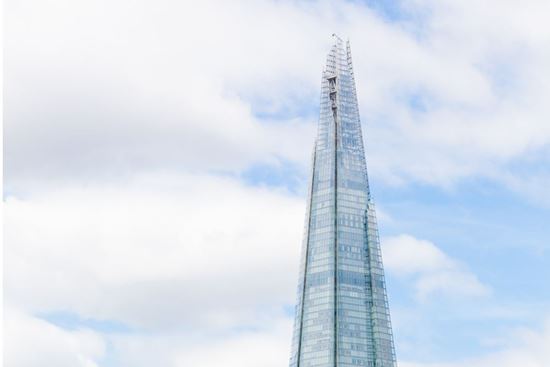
x=342, y=314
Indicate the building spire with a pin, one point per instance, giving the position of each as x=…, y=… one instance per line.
x=342, y=313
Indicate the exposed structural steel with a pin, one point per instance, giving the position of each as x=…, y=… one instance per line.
x=342, y=313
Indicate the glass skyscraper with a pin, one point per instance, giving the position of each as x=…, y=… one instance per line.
x=342, y=314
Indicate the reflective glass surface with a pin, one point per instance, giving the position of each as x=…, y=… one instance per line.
x=342, y=314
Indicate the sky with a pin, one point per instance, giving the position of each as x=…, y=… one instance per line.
x=156, y=159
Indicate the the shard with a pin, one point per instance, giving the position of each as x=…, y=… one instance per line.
x=342, y=314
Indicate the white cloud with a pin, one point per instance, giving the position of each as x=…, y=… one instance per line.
x=158, y=252
x=173, y=86
x=482, y=73
x=268, y=346
x=149, y=89
x=31, y=342
x=199, y=267
x=433, y=271
x=526, y=348
x=193, y=264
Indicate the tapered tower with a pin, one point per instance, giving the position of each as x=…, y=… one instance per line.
x=342, y=314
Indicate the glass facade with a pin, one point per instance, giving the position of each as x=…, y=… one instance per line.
x=342, y=314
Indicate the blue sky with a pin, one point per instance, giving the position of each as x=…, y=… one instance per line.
x=156, y=169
